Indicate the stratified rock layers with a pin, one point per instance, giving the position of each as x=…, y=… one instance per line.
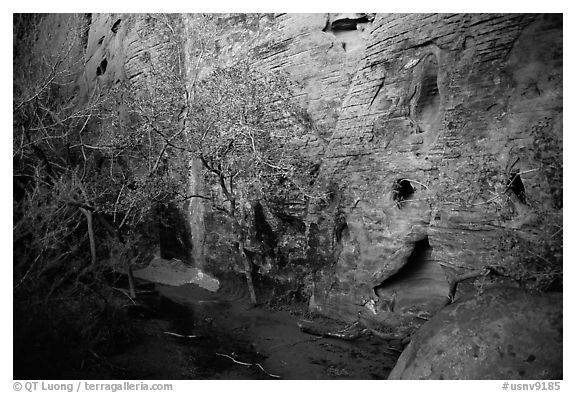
x=422, y=121
x=451, y=104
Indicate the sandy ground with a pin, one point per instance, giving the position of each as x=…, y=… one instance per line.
x=230, y=332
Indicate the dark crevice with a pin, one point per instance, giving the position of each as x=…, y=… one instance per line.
x=402, y=191
x=341, y=229
x=101, y=40
x=345, y=24
x=135, y=75
x=421, y=45
x=86, y=30
x=116, y=26
x=102, y=68
x=516, y=186
x=377, y=91
x=348, y=23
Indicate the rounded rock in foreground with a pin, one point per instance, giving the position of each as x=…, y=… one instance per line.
x=503, y=333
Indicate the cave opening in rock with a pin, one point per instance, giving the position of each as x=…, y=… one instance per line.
x=420, y=284
x=516, y=185
x=414, y=263
x=102, y=68
x=402, y=191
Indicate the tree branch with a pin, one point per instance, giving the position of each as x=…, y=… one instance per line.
x=88, y=215
x=455, y=280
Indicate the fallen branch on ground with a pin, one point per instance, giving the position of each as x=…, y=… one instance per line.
x=181, y=335
x=249, y=364
x=340, y=334
x=454, y=281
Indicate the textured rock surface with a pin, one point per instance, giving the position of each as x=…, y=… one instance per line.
x=450, y=104
x=320, y=52
x=504, y=333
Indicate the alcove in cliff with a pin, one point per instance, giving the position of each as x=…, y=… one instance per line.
x=420, y=285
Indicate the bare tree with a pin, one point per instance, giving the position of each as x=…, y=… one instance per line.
x=85, y=154
x=244, y=127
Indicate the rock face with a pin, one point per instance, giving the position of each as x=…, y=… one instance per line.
x=321, y=53
x=422, y=121
x=438, y=140
x=451, y=108
x=505, y=333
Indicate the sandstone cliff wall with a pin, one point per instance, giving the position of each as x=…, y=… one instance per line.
x=423, y=121
x=425, y=126
x=455, y=104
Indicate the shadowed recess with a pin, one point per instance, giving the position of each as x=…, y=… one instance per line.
x=420, y=285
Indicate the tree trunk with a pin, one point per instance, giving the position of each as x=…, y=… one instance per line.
x=88, y=215
x=248, y=273
x=131, y=280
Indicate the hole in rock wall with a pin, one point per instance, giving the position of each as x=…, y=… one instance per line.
x=427, y=106
x=102, y=68
x=344, y=24
x=348, y=29
x=420, y=285
x=516, y=186
x=116, y=26
x=402, y=191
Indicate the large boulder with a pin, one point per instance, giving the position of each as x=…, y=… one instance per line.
x=502, y=333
